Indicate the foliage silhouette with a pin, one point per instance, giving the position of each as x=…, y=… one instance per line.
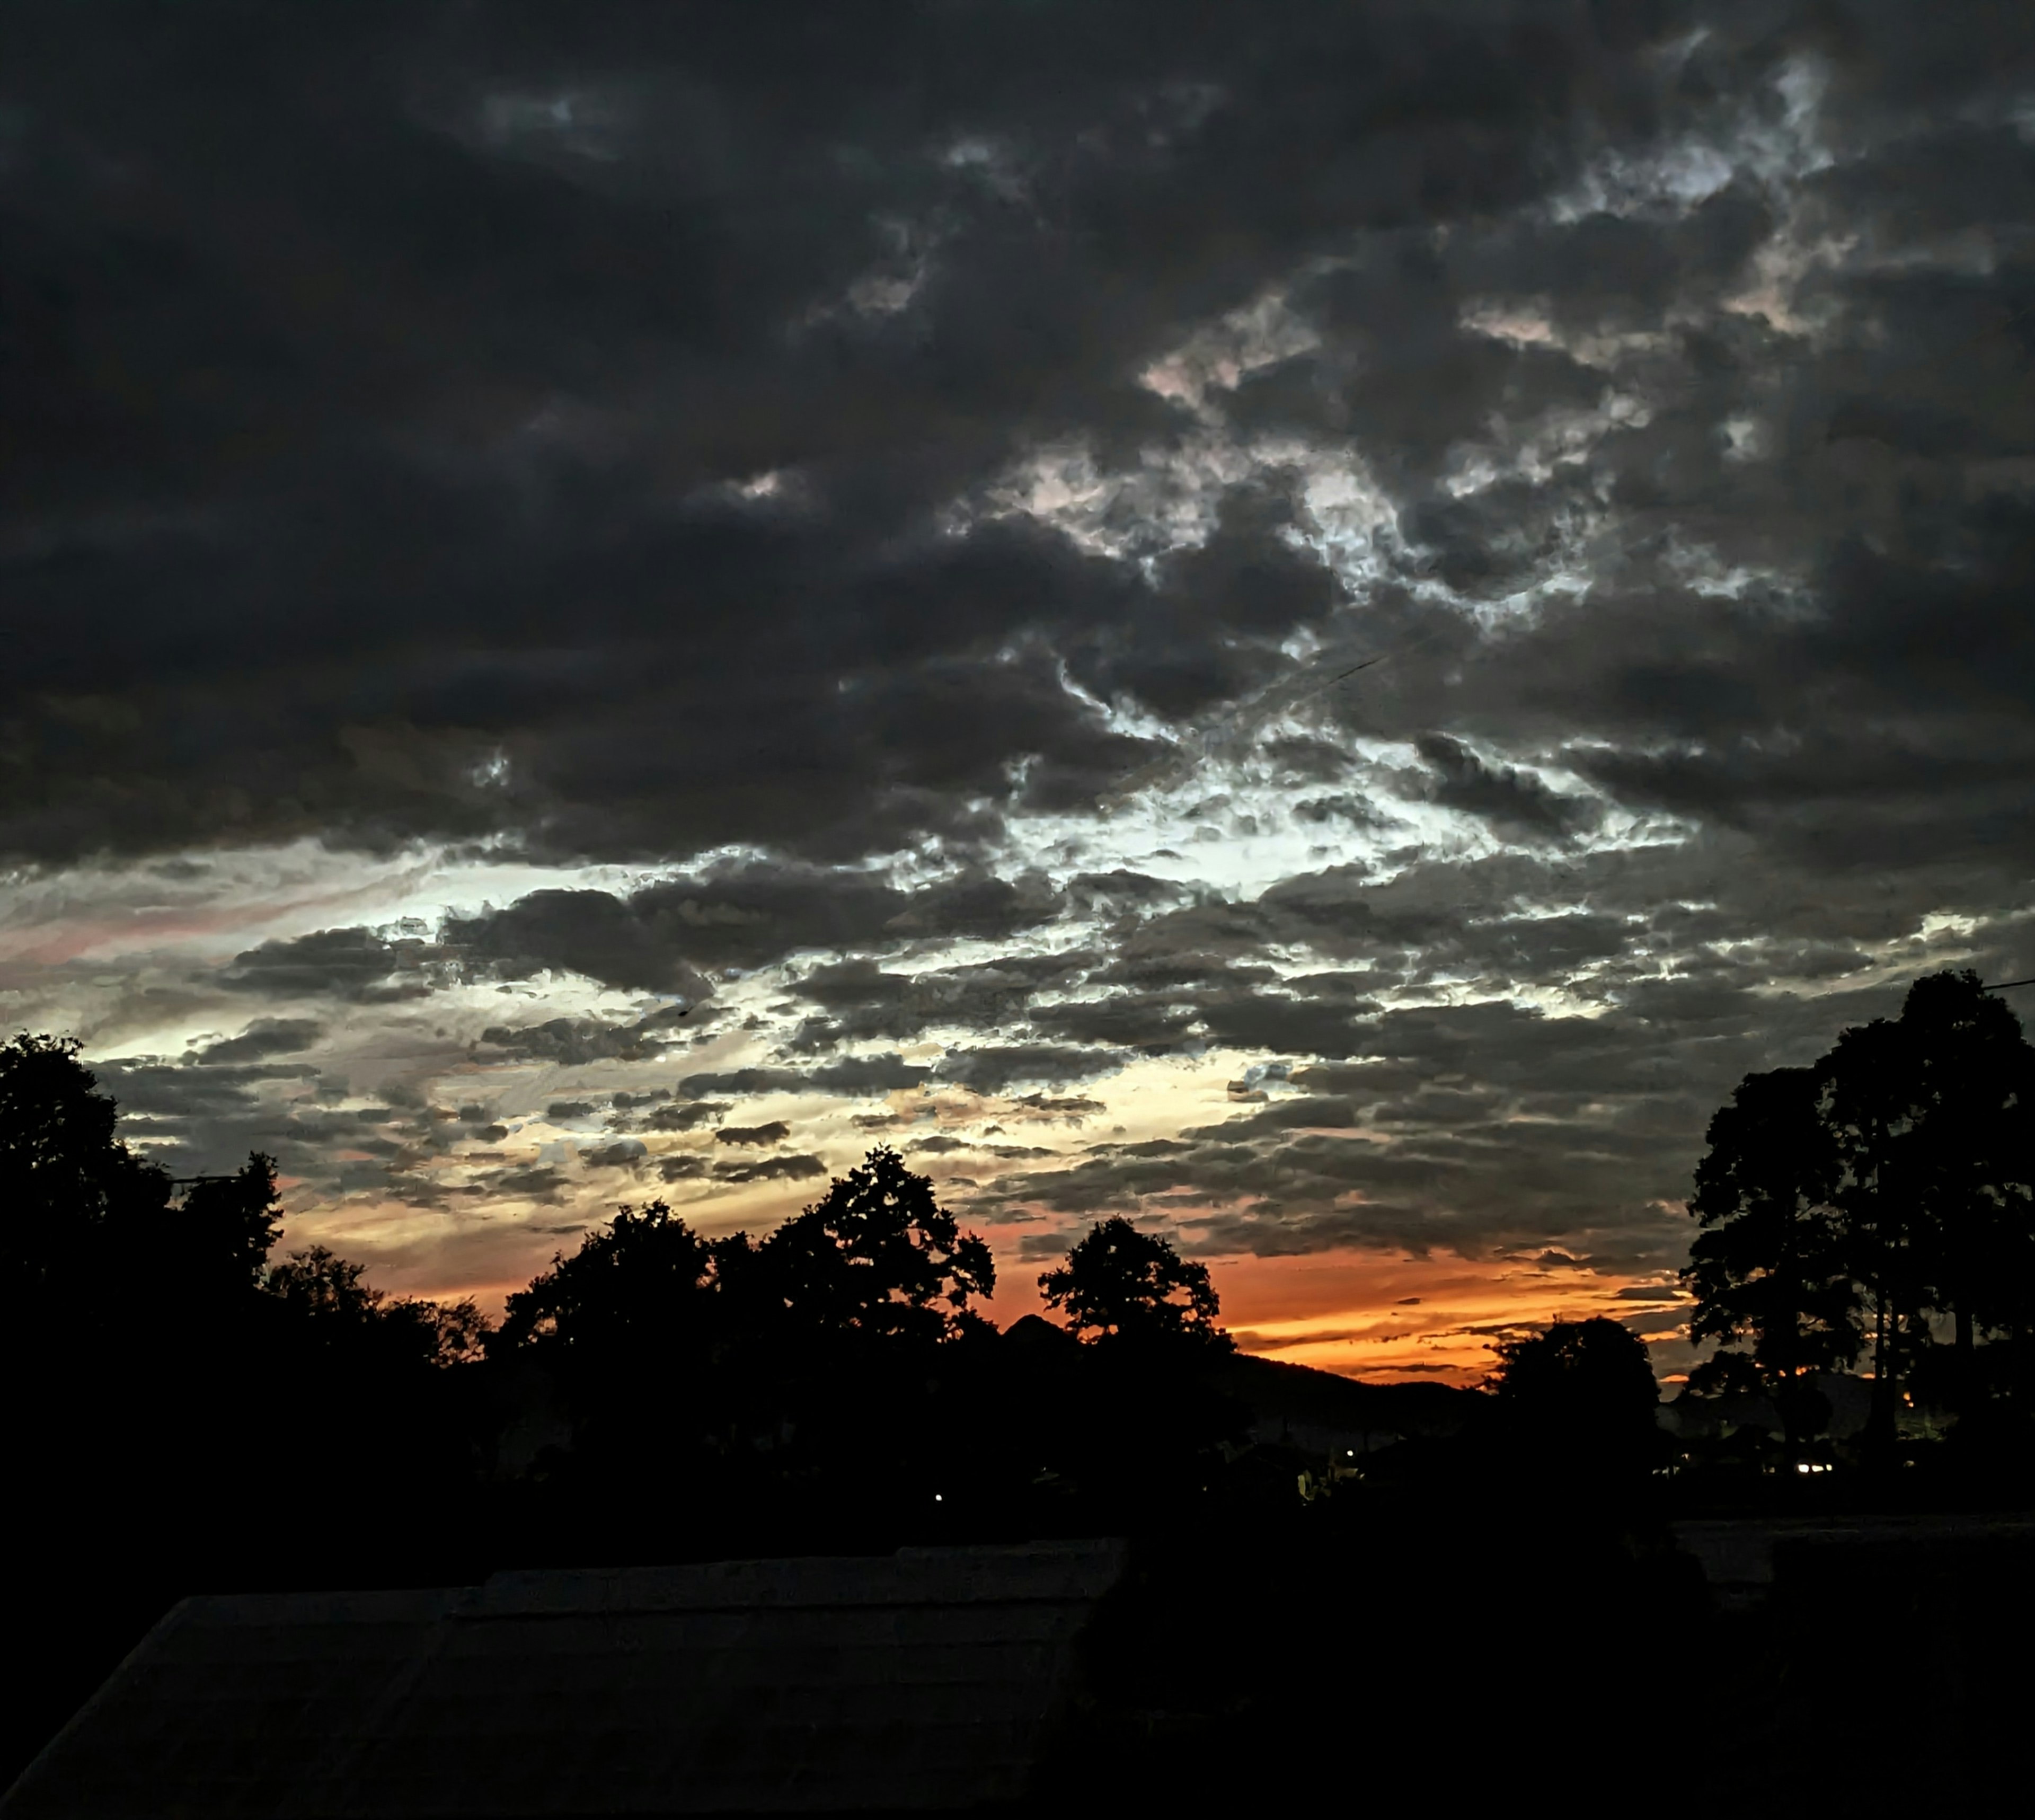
x=325, y=1289
x=1121, y=1283
x=223, y=1229
x=65, y=1178
x=243, y=1421
x=1581, y=1395
x=634, y=1282
x=332, y=1304
x=819, y=1357
x=442, y=1334
x=1770, y=1267
x=1874, y=1200
x=878, y=1256
x=1971, y=1112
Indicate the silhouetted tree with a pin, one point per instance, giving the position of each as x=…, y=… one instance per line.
x=878, y=1257
x=331, y=1303
x=1889, y=1186
x=1868, y=1085
x=91, y=1240
x=640, y=1281
x=65, y=1176
x=1969, y=1166
x=210, y=1250
x=324, y=1290
x=1580, y=1394
x=1770, y=1269
x=808, y=1356
x=1119, y=1282
x=439, y=1333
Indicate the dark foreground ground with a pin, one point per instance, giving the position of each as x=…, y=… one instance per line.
x=1453, y=1644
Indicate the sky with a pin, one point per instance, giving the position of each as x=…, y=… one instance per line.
x=1313, y=624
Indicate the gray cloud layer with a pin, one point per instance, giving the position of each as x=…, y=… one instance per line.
x=591, y=434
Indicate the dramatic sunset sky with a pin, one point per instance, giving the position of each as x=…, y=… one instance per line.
x=1313, y=623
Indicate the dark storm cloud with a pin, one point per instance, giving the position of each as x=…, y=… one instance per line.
x=797, y=1168
x=776, y=1132
x=574, y=1042
x=265, y=1037
x=1142, y=1023
x=741, y=1083
x=688, y=1117
x=352, y=964
x=864, y=1076
x=623, y=1153
x=858, y=999
x=1302, y=1026
x=154, y=1089
x=206, y=1116
x=1212, y=629
x=588, y=932
x=1490, y=1126
x=568, y=430
x=1316, y=1112
x=1514, y=802
x=993, y=1068
x=661, y=938
x=535, y=1181
x=343, y=328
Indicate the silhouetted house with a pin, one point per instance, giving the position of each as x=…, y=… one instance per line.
x=1690, y=1418
x=928, y=1682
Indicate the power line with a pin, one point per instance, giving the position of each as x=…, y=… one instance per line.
x=2007, y=985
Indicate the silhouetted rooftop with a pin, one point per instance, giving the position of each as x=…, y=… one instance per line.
x=924, y=1681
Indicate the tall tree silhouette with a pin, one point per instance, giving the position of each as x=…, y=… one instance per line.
x=210, y=1250
x=65, y=1177
x=1891, y=1187
x=1971, y=1117
x=1119, y=1282
x=1868, y=1080
x=1770, y=1269
x=89, y=1231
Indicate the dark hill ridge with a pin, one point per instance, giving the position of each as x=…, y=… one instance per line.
x=1293, y=1405
x=1310, y=1409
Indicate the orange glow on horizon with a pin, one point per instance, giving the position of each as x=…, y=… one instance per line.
x=1389, y=1316
x=1380, y=1315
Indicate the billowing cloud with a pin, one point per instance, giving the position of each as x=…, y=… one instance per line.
x=981, y=574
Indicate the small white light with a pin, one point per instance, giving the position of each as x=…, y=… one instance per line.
x=1804, y=1467
x=938, y=1499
